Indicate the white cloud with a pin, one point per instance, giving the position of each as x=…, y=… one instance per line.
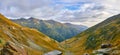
x=89, y=12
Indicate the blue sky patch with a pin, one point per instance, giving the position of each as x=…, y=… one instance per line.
x=72, y=7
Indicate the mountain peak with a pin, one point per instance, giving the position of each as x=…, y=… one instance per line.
x=68, y=23
x=31, y=18
x=54, y=29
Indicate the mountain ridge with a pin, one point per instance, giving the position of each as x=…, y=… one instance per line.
x=56, y=30
x=16, y=39
x=91, y=39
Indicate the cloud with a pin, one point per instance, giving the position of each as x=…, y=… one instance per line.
x=85, y=12
x=23, y=7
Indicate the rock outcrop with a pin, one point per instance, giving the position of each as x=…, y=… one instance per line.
x=107, y=49
x=12, y=49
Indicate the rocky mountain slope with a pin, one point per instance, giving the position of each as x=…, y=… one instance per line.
x=56, y=30
x=18, y=40
x=106, y=32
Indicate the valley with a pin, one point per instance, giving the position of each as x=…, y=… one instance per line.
x=55, y=30
x=99, y=39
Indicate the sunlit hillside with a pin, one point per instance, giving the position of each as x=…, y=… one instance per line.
x=107, y=31
x=18, y=40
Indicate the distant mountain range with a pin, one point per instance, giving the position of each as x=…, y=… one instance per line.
x=107, y=31
x=19, y=40
x=56, y=30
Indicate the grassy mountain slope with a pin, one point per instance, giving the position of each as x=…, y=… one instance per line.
x=53, y=29
x=107, y=31
x=17, y=38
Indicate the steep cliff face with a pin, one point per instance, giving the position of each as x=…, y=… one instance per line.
x=107, y=31
x=17, y=37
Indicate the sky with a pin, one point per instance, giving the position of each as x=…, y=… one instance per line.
x=81, y=12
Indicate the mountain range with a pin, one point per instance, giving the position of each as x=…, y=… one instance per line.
x=55, y=30
x=19, y=40
x=91, y=39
